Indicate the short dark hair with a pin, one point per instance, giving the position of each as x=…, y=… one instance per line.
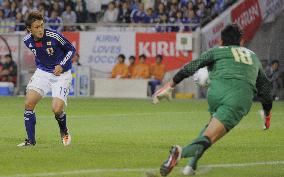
x=160, y=56
x=121, y=56
x=275, y=62
x=142, y=56
x=8, y=56
x=131, y=57
x=32, y=17
x=231, y=35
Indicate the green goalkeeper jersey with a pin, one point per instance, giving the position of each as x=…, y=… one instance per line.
x=231, y=62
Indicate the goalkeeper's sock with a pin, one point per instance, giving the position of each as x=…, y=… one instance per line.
x=30, y=122
x=61, y=120
x=194, y=160
x=202, y=130
x=196, y=148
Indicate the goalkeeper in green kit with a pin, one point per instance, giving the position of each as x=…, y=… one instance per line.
x=236, y=75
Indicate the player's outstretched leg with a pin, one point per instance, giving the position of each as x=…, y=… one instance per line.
x=65, y=135
x=60, y=116
x=190, y=168
x=172, y=161
x=195, y=150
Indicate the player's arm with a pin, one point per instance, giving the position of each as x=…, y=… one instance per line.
x=264, y=92
x=69, y=50
x=205, y=59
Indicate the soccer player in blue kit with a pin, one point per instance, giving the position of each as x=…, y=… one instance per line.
x=53, y=54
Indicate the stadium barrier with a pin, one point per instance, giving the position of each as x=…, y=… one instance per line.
x=120, y=88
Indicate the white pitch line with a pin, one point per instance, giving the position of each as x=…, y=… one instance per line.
x=144, y=114
x=76, y=172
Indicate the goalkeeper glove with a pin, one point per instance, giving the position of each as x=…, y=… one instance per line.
x=164, y=92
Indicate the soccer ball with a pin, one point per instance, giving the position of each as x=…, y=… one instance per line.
x=201, y=77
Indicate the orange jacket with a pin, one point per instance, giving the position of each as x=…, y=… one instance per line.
x=158, y=71
x=141, y=70
x=120, y=69
x=130, y=70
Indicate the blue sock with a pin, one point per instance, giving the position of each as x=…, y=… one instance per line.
x=30, y=122
x=61, y=119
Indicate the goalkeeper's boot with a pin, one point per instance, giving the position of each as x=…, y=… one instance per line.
x=188, y=171
x=172, y=161
x=26, y=143
x=65, y=137
x=266, y=120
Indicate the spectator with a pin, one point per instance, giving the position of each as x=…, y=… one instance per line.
x=6, y=8
x=135, y=5
x=149, y=3
x=124, y=13
x=184, y=3
x=19, y=19
x=111, y=13
x=28, y=6
x=81, y=11
x=94, y=8
x=273, y=74
x=178, y=21
x=120, y=70
x=8, y=71
x=14, y=9
x=173, y=10
x=131, y=66
x=204, y=14
x=161, y=11
x=157, y=73
x=141, y=70
x=218, y=7
x=150, y=17
x=69, y=3
x=1, y=15
x=69, y=17
x=55, y=19
x=43, y=11
x=162, y=25
x=192, y=20
x=139, y=14
x=56, y=6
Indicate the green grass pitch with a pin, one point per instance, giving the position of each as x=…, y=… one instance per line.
x=127, y=138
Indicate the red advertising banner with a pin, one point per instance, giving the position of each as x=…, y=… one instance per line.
x=74, y=38
x=248, y=16
x=152, y=44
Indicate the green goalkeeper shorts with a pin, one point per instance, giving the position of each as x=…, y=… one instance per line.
x=229, y=101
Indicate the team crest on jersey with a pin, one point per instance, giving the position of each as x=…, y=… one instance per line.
x=50, y=51
x=48, y=43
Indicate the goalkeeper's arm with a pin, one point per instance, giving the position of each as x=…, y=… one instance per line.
x=264, y=92
x=205, y=59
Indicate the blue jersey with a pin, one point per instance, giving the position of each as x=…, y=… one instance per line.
x=53, y=49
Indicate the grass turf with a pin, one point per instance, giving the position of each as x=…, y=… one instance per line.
x=126, y=138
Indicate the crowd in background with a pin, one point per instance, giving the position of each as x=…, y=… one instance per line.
x=187, y=13
x=141, y=70
x=8, y=69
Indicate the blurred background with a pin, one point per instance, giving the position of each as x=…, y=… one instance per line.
x=129, y=48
